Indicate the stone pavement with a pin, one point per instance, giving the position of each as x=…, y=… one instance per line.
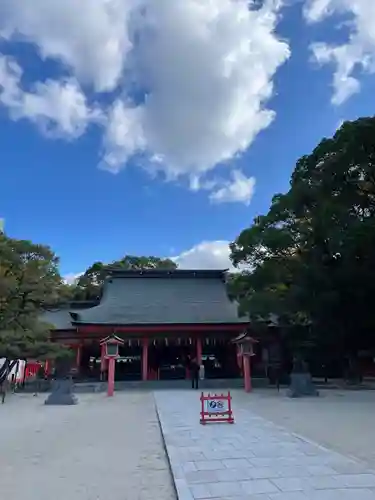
x=101, y=449
x=252, y=459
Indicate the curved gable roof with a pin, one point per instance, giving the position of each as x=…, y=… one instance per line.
x=162, y=297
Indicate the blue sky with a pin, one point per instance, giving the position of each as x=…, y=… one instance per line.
x=143, y=130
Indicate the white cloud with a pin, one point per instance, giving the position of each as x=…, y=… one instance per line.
x=206, y=69
x=206, y=255
x=315, y=10
x=124, y=135
x=58, y=107
x=359, y=50
x=239, y=189
x=206, y=89
x=89, y=37
x=71, y=278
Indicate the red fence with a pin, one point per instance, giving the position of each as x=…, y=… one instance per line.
x=31, y=369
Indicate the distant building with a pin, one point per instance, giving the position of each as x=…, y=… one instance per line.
x=165, y=317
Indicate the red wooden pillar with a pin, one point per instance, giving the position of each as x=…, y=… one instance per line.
x=111, y=376
x=47, y=367
x=247, y=373
x=144, y=359
x=239, y=358
x=199, y=350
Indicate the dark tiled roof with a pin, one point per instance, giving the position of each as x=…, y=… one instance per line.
x=60, y=319
x=162, y=297
x=169, y=273
x=59, y=315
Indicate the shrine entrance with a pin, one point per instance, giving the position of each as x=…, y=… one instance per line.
x=220, y=359
x=160, y=358
x=89, y=368
x=168, y=360
x=129, y=362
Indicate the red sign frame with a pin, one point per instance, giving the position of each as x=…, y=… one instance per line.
x=225, y=416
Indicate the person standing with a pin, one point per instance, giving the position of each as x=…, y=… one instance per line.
x=13, y=383
x=194, y=373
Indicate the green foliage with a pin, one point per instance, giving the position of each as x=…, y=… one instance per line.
x=90, y=284
x=312, y=255
x=28, y=279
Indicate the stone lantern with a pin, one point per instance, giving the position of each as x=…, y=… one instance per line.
x=245, y=345
x=111, y=346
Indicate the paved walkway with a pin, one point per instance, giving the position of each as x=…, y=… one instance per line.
x=252, y=459
x=101, y=449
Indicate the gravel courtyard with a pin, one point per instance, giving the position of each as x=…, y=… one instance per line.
x=112, y=449
x=100, y=449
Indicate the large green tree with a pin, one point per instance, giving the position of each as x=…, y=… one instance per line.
x=29, y=278
x=89, y=285
x=312, y=255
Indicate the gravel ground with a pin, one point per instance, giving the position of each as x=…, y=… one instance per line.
x=341, y=420
x=112, y=448
x=103, y=448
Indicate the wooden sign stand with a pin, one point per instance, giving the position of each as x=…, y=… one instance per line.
x=216, y=408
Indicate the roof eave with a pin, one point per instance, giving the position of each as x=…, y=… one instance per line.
x=75, y=325
x=167, y=273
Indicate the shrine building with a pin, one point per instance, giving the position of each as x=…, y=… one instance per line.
x=165, y=317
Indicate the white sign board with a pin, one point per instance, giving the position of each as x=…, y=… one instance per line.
x=214, y=405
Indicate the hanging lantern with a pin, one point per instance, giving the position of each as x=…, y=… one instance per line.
x=166, y=342
x=207, y=341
